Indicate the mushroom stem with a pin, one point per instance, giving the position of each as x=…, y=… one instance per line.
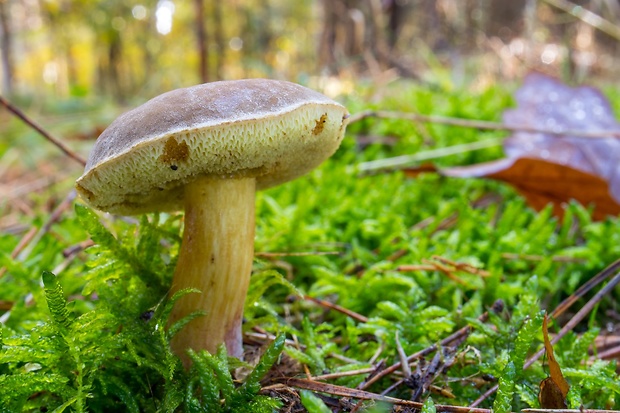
x=216, y=258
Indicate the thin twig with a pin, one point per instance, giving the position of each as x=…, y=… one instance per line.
x=17, y=112
x=20, y=246
x=403, y=357
x=29, y=298
x=361, y=394
x=484, y=396
x=448, y=272
x=16, y=191
x=462, y=332
x=462, y=266
x=74, y=249
x=389, y=164
x=587, y=16
x=479, y=124
x=610, y=353
x=264, y=335
x=416, y=267
x=53, y=218
x=336, y=307
x=348, y=373
x=585, y=288
x=447, y=267
x=402, y=161
x=567, y=411
x=295, y=254
x=526, y=257
x=30, y=240
x=580, y=315
x=392, y=387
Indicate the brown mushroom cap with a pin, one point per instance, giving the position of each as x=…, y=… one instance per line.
x=272, y=130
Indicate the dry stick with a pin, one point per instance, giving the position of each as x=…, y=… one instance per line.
x=607, y=341
x=478, y=124
x=587, y=16
x=403, y=357
x=343, y=374
x=581, y=291
x=400, y=161
x=20, y=246
x=29, y=298
x=447, y=267
x=392, y=387
x=462, y=332
x=41, y=131
x=481, y=202
x=610, y=353
x=295, y=254
x=462, y=266
x=580, y=315
x=361, y=394
x=54, y=217
x=406, y=160
x=448, y=272
x=526, y=257
x=567, y=411
x=74, y=249
x=27, y=243
x=336, y=307
x=22, y=250
x=264, y=335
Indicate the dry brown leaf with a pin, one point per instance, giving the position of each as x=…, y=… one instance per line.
x=553, y=389
x=542, y=182
x=556, y=168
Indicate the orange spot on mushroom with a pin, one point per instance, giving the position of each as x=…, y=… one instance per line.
x=174, y=152
x=320, y=124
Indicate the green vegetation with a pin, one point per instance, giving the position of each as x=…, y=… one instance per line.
x=94, y=337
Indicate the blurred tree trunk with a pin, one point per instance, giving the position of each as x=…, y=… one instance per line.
x=218, y=35
x=327, y=44
x=114, y=65
x=505, y=19
x=396, y=16
x=610, y=10
x=264, y=33
x=377, y=28
x=6, y=40
x=201, y=34
x=72, y=76
x=343, y=33
x=256, y=32
x=472, y=24
x=143, y=72
x=362, y=33
x=430, y=26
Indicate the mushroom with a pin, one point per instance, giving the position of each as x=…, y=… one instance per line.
x=207, y=149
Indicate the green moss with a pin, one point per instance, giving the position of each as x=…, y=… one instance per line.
x=94, y=337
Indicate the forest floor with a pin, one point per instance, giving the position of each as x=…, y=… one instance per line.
x=397, y=289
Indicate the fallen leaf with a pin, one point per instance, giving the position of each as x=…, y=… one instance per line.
x=550, y=396
x=542, y=182
x=557, y=166
x=553, y=389
x=421, y=169
x=545, y=102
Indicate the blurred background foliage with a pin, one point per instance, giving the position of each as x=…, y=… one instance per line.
x=74, y=65
x=121, y=49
